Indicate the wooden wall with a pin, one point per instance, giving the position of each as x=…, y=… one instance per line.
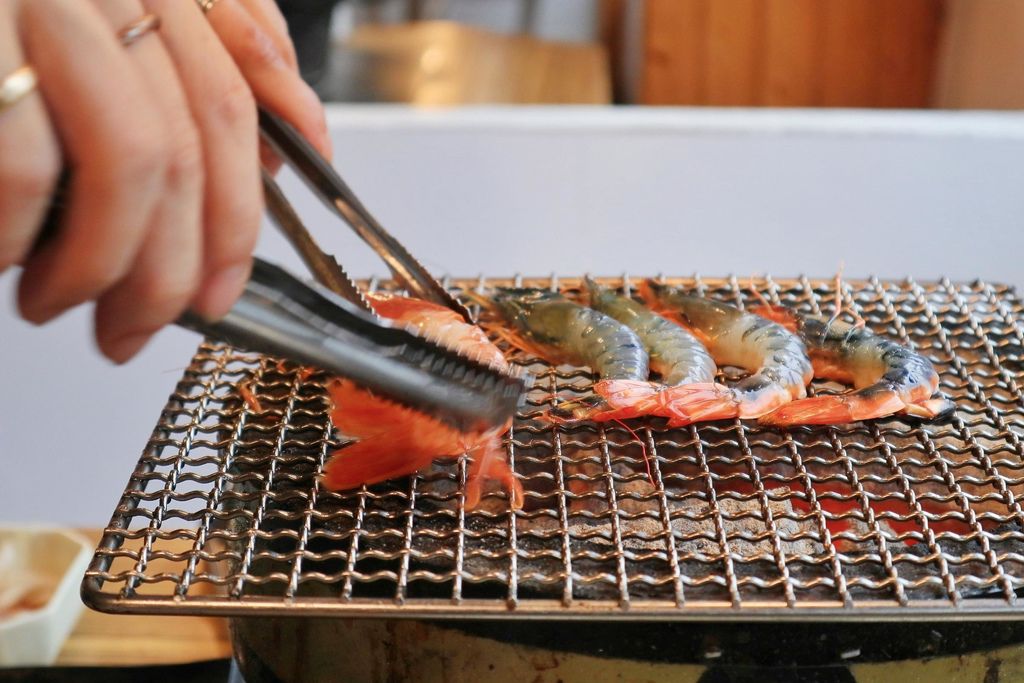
x=981, y=61
x=843, y=53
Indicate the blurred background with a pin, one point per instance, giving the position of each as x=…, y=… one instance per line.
x=779, y=53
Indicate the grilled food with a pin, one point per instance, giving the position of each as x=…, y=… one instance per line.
x=394, y=440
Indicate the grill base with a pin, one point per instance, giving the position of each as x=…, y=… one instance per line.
x=307, y=650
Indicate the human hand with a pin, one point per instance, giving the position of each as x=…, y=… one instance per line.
x=160, y=137
x=256, y=35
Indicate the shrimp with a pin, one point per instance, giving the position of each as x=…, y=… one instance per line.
x=440, y=324
x=888, y=378
x=394, y=440
x=675, y=354
x=779, y=362
x=553, y=327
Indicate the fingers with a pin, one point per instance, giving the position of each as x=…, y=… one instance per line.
x=268, y=15
x=224, y=113
x=113, y=137
x=30, y=160
x=165, y=274
x=273, y=77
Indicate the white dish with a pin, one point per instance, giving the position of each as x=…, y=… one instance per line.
x=56, y=559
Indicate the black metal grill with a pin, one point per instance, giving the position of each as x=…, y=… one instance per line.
x=889, y=519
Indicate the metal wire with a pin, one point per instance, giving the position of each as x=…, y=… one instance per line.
x=226, y=514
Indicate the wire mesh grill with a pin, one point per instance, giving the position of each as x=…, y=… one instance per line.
x=889, y=519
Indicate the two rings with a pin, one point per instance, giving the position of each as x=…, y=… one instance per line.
x=22, y=81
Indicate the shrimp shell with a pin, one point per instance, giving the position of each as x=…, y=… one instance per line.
x=888, y=378
x=675, y=354
x=568, y=332
x=562, y=331
x=776, y=357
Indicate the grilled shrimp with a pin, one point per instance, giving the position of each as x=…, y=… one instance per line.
x=777, y=357
x=551, y=326
x=888, y=378
x=394, y=440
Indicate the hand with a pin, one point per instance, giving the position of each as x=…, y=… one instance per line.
x=256, y=35
x=164, y=203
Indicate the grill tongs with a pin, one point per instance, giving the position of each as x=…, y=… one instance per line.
x=280, y=315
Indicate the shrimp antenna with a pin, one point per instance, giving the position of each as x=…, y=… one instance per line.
x=839, y=306
x=478, y=298
x=757, y=294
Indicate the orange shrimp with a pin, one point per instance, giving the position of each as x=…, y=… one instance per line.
x=394, y=440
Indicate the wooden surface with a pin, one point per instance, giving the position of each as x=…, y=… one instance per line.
x=850, y=53
x=439, y=63
x=611, y=31
x=981, y=65
x=123, y=640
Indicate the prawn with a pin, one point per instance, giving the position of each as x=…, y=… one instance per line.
x=553, y=327
x=394, y=440
x=888, y=378
x=777, y=358
x=675, y=354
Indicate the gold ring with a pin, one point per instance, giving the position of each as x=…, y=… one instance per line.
x=206, y=5
x=16, y=85
x=131, y=33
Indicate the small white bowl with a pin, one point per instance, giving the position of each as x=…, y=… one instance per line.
x=33, y=637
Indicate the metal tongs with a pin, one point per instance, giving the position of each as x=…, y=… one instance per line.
x=332, y=325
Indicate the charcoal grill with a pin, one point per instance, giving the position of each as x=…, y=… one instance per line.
x=893, y=519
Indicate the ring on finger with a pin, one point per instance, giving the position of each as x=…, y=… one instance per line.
x=206, y=5
x=134, y=31
x=16, y=85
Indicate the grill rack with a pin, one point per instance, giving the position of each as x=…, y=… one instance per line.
x=892, y=519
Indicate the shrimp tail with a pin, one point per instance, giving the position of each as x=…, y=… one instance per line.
x=360, y=413
x=371, y=461
x=487, y=463
x=386, y=456
x=933, y=408
x=833, y=410
x=648, y=290
x=701, y=402
x=395, y=441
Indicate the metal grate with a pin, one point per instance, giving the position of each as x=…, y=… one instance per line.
x=890, y=519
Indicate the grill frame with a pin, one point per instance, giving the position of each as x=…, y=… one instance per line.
x=141, y=534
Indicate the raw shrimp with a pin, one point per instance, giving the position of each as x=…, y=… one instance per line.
x=394, y=440
x=777, y=357
x=675, y=354
x=888, y=378
x=551, y=326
